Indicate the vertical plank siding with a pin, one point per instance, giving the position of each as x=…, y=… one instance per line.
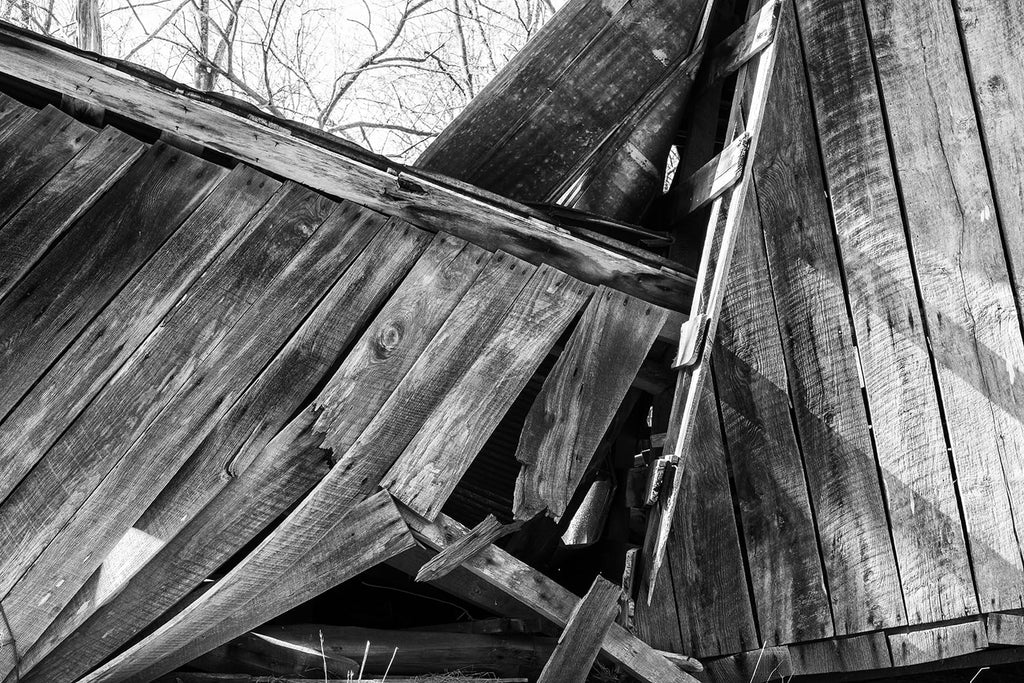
x=968, y=297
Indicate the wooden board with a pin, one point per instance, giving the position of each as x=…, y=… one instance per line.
x=452, y=434
x=1004, y=629
x=479, y=537
x=51, y=305
x=886, y=316
x=33, y=151
x=705, y=562
x=933, y=644
x=424, y=199
x=11, y=112
x=579, y=398
x=61, y=201
x=109, y=340
x=286, y=469
x=222, y=375
x=854, y=653
x=585, y=631
x=370, y=533
x=972, y=318
x=768, y=465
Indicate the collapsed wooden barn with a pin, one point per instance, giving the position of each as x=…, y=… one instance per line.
x=243, y=362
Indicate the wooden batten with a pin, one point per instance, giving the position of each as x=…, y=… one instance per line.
x=581, y=640
x=479, y=537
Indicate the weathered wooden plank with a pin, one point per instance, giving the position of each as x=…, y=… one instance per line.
x=706, y=563
x=581, y=640
x=523, y=134
x=768, y=466
x=225, y=372
x=454, y=431
x=1002, y=628
x=744, y=44
x=396, y=338
x=765, y=664
x=370, y=533
x=886, y=314
x=855, y=653
x=297, y=649
x=44, y=312
x=197, y=677
x=61, y=201
x=579, y=398
x=33, y=151
x=479, y=537
x=419, y=198
x=545, y=597
x=972, y=318
x=286, y=469
x=942, y=642
x=11, y=112
x=260, y=413
x=709, y=181
x=107, y=342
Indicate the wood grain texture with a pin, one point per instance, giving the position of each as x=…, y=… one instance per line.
x=266, y=405
x=61, y=201
x=546, y=598
x=757, y=32
x=11, y=112
x=115, y=420
x=458, y=426
x=109, y=340
x=1004, y=629
x=227, y=370
x=579, y=398
x=854, y=653
x=479, y=537
x=44, y=312
x=422, y=198
x=941, y=642
x=710, y=180
x=882, y=295
x=33, y=151
x=524, y=133
x=581, y=640
x=962, y=270
x=283, y=472
x=370, y=533
x=768, y=466
x=705, y=561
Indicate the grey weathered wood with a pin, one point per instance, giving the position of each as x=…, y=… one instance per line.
x=712, y=179
x=197, y=677
x=580, y=643
x=370, y=533
x=744, y=44
x=941, y=642
x=138, y=469
x=1004, y=629
x=854, y=653
x=66, y=388
x=458, y=426
x=61, y=201
x=44, y=312
x=418, y=197
x=545, y=597
x=33, y=151
x=579, y=398
x=479, y=537
x=11, y=112
x=968, y=295
x=286, y=469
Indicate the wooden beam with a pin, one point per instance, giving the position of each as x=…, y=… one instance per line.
x=421, y=198
x=1003, y=628
x=581, y=640
x=933, y=644
x=545, y=597
x=744, y=44
x=712, y=179
x=479, y=537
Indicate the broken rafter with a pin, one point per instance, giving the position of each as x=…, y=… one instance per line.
x=478, y=538
x=581, y=641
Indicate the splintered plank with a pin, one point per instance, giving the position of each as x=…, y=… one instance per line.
x=44, y=312
x=581, y=641
x=579, y=398
x=264, y=408
x=552, y=104
x=33, y=151
x=704, y=557
x=480, y=536
x=943, y=642
x=11, y=112
x=61, y=201
x=546, y=598
x=370, y=533
x=185, y=420
x=107, y=342
x=778, y=524
x=973, y=329
x=285, y=470
x=452, y=435
x=886, y=315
